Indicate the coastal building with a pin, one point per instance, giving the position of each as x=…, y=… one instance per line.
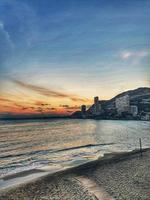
x=134, y=110
x=83, y=111
x=96, y=106
x=145, y=116
x=96, y=100
x=122, y=104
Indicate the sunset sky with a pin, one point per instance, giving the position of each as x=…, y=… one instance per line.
x=55, y=55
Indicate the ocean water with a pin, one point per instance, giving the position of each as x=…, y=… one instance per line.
x=60, y=143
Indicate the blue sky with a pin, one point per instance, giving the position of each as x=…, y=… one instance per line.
x=82, y=47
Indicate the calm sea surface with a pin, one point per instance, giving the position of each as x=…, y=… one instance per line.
x=54, y=144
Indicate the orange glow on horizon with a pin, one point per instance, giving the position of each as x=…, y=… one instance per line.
x=23, y=105
x=22, y=98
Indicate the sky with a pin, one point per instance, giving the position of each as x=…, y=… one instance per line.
x=58, y=55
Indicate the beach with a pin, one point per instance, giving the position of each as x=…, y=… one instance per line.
x=121, y=176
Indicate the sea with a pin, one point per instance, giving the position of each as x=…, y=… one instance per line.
x=55, y=144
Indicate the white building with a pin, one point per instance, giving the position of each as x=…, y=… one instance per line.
x=134, y=110
x=146, y=116
x=122, y=104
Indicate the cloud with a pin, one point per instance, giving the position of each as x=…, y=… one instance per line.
x=44, y=110
x=40, y=103
x=6, y=44
x=48, y=92
x=64, y=106
x=5, y=100
x=24, y=108
x=70, y=107
x=125, y=55
x=53, y=108
x=5, y=34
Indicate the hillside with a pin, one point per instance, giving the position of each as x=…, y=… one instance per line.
x=139, y=97
x=142, y=93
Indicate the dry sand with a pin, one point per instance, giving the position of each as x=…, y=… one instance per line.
x=122, y=177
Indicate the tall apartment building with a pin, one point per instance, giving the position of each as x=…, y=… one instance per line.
x=83, y=111
x=96, y=106
x=122, y=104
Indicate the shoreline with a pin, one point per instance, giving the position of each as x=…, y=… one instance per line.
x=72, y=118
x=38, y=176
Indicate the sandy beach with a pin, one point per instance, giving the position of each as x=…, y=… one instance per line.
x=121, y=176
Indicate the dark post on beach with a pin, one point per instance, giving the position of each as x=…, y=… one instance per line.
x=140, y=146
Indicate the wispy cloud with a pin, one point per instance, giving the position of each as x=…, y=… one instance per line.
x=2, y=99
x=69, y=107
x=125, y=55
x=49, y=92
x=40, y=103
x=6, y=34
x=6, y=44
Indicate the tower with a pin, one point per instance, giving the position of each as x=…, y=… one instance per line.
x=97, y=106
x=83, y=111
x=96, y=100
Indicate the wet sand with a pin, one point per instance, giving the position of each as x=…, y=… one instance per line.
x=124, y=176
